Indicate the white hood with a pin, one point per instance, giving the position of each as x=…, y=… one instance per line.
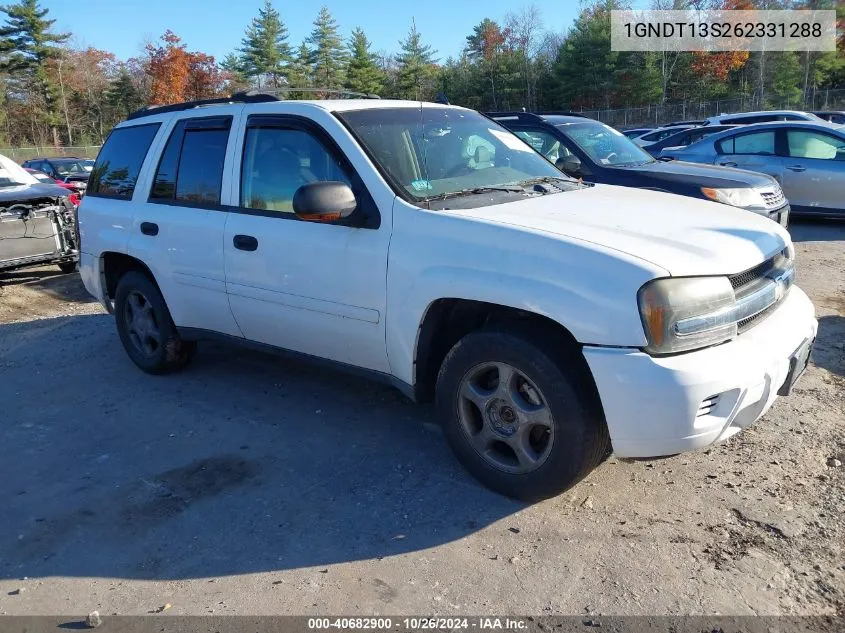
x=685, y=236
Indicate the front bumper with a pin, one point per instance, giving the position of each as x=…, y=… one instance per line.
x=779, y=215
x=667, y=405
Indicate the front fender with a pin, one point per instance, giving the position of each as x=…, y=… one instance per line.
x=600, y=313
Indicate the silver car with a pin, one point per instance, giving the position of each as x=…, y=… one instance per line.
x=807, y=159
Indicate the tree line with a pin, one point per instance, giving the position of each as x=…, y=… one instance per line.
x=54, y=94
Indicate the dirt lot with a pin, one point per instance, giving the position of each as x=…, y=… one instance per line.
x=252, y=484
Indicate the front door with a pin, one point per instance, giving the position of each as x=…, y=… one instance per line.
x=319, y=289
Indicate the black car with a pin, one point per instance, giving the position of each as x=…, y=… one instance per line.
x=684, y=137
x=834, y=116
x=37, y=221
x=585, y=148
x=71, y=170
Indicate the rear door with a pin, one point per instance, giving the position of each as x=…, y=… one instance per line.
x=178, y=224
x=754, y=150
x=814, y=170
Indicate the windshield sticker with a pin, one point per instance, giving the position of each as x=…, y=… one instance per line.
x=421, y=185
x=510, y=141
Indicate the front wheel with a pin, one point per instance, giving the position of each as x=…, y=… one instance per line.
x=521, y=421
x=145, y=327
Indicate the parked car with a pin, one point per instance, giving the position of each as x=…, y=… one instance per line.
x=584, y=148
x=684, y=137
x=807, y=159
x=427, y=246
x=763, y=116
x=37, y=221
x=41, y=177
x=639, y=131
x=71, y=171
x=660, y=133
x=832, y=116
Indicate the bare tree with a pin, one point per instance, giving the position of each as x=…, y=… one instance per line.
x=525, y=31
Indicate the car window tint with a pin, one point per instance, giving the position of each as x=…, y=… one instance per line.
x=278, y=161
x=191, y=166
x=811, y=144
x=755, y=143
x=544, y=143
x=201, y=166
x=116, y=168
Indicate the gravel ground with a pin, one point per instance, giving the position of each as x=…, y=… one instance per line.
x=251, y=484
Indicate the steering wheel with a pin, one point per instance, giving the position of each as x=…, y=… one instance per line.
x=461, y=169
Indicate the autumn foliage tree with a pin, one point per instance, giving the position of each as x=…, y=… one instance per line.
x=179, y=75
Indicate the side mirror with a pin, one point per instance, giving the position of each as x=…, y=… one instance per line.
x=569, y=165
x=326, y=201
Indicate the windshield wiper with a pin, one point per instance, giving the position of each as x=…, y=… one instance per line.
x=544, y=179
x=473, y=191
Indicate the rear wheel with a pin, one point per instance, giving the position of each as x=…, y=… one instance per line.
x=145, y=327
x=523, y=422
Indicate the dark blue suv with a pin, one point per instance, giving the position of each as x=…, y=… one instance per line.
x=584, y=148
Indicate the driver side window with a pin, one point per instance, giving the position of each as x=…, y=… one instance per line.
x=278, y=161
x=544, y=143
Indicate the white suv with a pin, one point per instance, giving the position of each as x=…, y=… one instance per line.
x=552, y=320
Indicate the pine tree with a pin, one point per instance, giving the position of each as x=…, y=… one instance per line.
x=27, y=46
x=122, y=94
x=264, y=49
x=327, y=52
x=417, y=71
x=300, y=70
x=363, y=73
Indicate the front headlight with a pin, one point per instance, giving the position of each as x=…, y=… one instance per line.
x=744, y=197
x=686, y=313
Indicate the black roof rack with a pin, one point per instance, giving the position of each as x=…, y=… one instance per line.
x=251, y=96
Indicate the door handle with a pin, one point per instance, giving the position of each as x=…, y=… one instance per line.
x=728, y=164
x=245, y=242
x=149, y=228
x=796, y=168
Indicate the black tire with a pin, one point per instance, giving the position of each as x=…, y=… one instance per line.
x=68, y=267
x=580, y=439
x=171, y=353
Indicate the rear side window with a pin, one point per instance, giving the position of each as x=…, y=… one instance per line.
x=756, y=143
x=116, y=169
x=191, y=167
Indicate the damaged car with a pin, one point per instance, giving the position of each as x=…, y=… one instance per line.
x=37, y=221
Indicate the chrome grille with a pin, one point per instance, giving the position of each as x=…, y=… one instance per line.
x=773, y=199
x=753, y=279
x=751, y=275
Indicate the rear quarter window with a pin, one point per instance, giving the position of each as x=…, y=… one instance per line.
x=117, y=167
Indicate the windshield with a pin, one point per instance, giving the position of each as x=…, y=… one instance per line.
x=432, y=152
x=12, y=174
x=604, y=145
x=67, y=168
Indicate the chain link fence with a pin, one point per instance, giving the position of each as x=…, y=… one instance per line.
x=654, y=115
x=20, y=154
